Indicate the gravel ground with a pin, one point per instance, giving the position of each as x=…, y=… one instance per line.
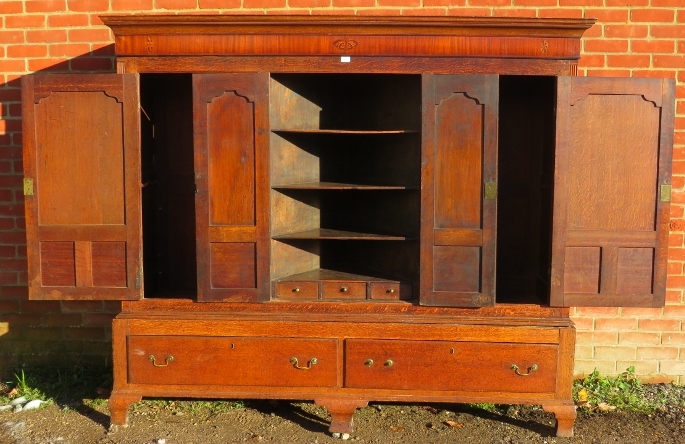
x=172, y=422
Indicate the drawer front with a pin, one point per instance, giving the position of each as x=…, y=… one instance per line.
x=442, y=365
x=390, y=291
x=343, y=290
x=297, y=290
x=171, y=360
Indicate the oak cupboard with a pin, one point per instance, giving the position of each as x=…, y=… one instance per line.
x=347, y=209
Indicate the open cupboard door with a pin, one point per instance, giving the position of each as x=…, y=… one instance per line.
x=612, y=191
x=82, y=186
x=459, y=190
x=231, y=126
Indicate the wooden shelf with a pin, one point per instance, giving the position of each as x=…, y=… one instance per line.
x=328, y=234
x=340, y=186
x=322, y=274
x=340, y=131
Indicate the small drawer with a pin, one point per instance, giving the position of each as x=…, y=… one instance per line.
x=451, y=366
x=390, y=291
x=232, y=361
x=343, y=290
x=297, y=290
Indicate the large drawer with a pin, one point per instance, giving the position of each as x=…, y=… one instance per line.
x=232, y=361
x=443, y=365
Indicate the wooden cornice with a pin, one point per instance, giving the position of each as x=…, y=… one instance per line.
x=298, y=35
x=348, y=24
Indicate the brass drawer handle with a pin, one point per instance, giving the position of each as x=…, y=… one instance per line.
x=311, y=362
x=343, y=289
x=531, y=369
x=152, y=359
x=387, y=363
x=390, y=290
x=296, y=290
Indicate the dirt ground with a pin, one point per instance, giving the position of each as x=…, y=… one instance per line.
x=303, y=422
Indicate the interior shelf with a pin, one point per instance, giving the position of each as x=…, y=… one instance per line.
x=340, y=186
x=329, y=234
x=322, y=274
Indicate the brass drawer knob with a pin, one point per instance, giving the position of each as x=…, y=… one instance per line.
x=368, y=362
x=390, y=290
x=389, y=363
x=152, y=359
x=343, y=289
x=296, y=290
x=531, y=369
x=295, y=362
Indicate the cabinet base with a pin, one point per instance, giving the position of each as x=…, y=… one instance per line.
x=118, y=407
x=566, y=417
x=343, y=362
x=342, y=413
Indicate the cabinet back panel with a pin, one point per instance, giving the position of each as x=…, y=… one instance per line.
x=390, y=212
x=289, y=106
x=377, y=160
x=293, y=211
x=349, y=101
x=387, y=259
x=525, y=176
x=291, y=162
x=294, y=256
x=169, y=186
x=369, y=159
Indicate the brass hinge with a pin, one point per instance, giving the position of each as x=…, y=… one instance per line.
x=28, y=187
x=665, y=193
x=490, y=190
x=139, y=277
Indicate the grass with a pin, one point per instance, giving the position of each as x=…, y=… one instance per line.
x=57, y=384
x=201, y=407
x=78, y=385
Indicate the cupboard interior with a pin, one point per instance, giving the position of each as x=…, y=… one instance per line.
x=525, y=188
x=168, y=194
x=345, y=158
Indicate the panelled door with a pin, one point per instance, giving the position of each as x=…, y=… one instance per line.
x=612, y=191
x=231, y=131
x=458, y=190
x=82, y=186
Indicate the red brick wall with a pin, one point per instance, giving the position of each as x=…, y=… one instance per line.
x=631, y=38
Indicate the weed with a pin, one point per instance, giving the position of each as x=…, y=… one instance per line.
x=98, y=403
x=28, y=388
x=488, y=407
x=624, y=392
